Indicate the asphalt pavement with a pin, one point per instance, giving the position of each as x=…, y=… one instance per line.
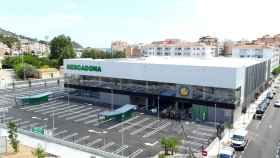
x=264, y=134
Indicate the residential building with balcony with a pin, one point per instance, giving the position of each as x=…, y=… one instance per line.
x=179, y=49
x=270, y=53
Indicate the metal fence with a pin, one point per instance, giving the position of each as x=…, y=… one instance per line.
x=30, y=83
x=72, y=145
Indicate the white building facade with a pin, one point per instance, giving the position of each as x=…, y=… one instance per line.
x=194, y=86
x=258, y=51
x=183, y=49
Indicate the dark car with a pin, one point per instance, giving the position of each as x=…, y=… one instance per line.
x=260, y=110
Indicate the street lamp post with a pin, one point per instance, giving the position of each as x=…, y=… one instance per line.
x=158, y=111
x=215, y=115
x=52, y=121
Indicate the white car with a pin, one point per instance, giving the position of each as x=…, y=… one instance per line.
x=239, y=139
x=277, y=103
x=227, y=152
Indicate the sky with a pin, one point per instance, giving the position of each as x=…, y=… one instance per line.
x=95, y=23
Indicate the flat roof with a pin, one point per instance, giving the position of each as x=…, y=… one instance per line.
x=229, y=62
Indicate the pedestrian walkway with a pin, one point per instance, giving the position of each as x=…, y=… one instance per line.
x=242, y=123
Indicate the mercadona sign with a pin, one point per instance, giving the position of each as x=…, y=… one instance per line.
x=83, y=67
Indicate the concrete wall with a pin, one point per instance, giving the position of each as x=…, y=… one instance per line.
x=56, y=149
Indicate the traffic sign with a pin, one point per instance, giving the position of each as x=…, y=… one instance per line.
x=38, y=130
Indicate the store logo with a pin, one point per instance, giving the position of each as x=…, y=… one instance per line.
x=83, y=67
x=184, y=91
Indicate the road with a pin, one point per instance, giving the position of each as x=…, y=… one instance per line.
x=264, y=134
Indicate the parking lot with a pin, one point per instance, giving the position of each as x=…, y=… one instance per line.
x=78, y=122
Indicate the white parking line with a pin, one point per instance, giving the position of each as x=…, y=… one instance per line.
x=124, y=122
x=134, y=124
x=59, y=133
x=23, y=123
x=81, y=139
x=196, y=132
x=91, y=121
x=31, y=125
x=136, y=153
x=198, y=138
x=94, y=142
x=161, y=127
x=59, y=110
x=107, y=145
x=51, y=107
x=74, y=112
x=82, y=114
x=85, y=118
x=144, y=127
x=66, y=110
x=70, y=136
x=122, y=148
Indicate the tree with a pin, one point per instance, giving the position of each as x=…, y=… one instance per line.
x=12, y=131
x=39, y=152
x=164, y=144
x=169, y=143
x=10, y=41
x=173, y=142
x=26, y=70
x=61, y=48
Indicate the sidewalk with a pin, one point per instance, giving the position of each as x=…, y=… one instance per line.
x=241, y=123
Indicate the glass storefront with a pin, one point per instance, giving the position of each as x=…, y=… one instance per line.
x=222, y=95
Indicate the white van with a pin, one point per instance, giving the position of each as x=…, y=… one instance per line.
x=239, y=139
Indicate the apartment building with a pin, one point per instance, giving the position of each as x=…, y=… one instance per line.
x=119, y=45
x=3, y=49
x=175, y=47
x=257, y=51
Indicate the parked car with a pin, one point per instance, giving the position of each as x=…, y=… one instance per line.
x=277, y=103
x=226, y=152
x=239, y=140
x=260, y=110
x=270, y=95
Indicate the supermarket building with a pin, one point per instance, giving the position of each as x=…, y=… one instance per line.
x=199, y=87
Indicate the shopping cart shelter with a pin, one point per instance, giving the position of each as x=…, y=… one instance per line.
x=202, y=89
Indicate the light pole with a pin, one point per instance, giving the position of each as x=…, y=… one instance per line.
x=158, y=111
x=52, y=121
x=215, y=115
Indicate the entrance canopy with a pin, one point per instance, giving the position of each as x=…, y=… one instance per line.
x=33, y=99
x=124, y=109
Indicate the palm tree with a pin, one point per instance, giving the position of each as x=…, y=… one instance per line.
x=174, y=142
x=39, y=152
x=170, y=143
x=164, y=144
